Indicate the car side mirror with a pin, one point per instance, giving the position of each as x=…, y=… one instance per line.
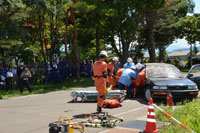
x=190, y=75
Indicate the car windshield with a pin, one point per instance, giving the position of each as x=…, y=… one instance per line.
x=163, y=71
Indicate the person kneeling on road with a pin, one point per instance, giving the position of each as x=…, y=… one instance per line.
x=126, y=80
x=140, y=81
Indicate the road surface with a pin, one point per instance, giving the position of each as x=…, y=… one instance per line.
x=33, y=113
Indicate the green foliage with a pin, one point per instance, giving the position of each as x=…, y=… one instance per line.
x=28, y=27
x=189, y=115
x=190, y=28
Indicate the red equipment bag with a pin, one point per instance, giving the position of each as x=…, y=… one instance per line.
x=111, y=103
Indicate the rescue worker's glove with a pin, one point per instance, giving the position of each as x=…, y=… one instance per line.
x=104, y=74
x=107, y=89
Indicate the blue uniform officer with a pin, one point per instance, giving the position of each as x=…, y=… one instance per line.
x=125, y=79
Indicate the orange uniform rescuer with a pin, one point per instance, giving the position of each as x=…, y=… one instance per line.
x=100, y=77
x=111, y=76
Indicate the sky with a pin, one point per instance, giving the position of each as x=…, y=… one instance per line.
x=182, y=43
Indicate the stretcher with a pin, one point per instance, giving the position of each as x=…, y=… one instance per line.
x=86, y=96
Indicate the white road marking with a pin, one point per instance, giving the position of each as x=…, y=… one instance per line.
x=130, y=129
x=129, y=111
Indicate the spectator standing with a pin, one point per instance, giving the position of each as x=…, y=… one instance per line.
x=20, y=69
x=88, y=69
x=81, y=68
x=14, y=71
x=181, y=64
x=9, y=79
x=5, y=70
x=66, y=68
x=25, y=76
x=56, y=72
x=48, y=73
x=129, y=63
x=2, y=78
x=61, y=65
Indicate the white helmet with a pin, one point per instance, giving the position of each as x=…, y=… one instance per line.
x=133, y=67
x=115, y=59
x=139, y=66
x=103, y=53
x=129, y=60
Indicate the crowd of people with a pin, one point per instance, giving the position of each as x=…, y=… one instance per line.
x=13, y=77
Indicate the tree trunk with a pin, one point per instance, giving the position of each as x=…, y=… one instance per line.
x=41, y=41
x=66, y=28
x=161, y=54
x=97, y=42
x=125, y=47
x=150, y=16
x=75, y=48
x=52, y=38
x=190, y=55
x=65, y=38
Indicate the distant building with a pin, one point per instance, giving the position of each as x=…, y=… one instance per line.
x=175, y=55
x=179, y=55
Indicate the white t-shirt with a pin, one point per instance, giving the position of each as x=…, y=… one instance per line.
x=9, y=74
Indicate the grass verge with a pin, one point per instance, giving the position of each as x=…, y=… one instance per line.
x=189, y=115
x=39, y=89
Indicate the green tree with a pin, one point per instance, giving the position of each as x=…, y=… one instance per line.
x=166, y=29
x=11, y=31
x=190, y=27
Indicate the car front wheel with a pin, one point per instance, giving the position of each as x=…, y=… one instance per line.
x=148, y=94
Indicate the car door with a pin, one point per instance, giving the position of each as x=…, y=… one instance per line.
x=194, y=74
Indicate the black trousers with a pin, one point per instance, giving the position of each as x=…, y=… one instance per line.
x=9, y=83
x=27, y=84
x=19, y=82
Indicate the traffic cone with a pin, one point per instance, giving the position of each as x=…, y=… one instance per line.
x=151, y=119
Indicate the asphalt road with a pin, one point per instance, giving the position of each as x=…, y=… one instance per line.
x=33, y=113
